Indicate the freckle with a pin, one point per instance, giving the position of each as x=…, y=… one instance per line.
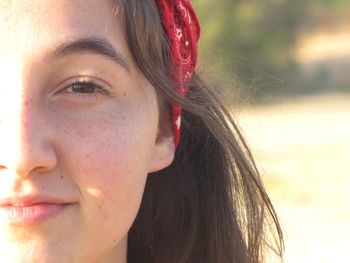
x=61, y=176
x=114, y=240
x=124, y=94
x=99, y=207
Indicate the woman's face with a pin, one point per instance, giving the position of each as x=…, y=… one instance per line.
x=78, y=132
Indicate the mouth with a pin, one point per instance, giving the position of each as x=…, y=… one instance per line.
x=30, y=210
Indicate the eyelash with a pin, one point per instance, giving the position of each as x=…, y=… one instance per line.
x=95, y=90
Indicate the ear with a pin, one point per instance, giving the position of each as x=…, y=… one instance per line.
x=163, y=151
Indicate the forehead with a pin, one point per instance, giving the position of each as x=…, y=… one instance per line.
x=51, y=11
x=31, y=26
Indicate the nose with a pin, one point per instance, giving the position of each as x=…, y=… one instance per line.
x=25, y=139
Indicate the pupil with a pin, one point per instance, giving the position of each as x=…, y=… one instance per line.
x=83, y=88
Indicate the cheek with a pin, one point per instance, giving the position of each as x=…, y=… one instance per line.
x=108, y=163
x=112, y=182
x=113, y=173
x=110, y=149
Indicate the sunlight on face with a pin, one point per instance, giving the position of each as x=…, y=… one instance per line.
x=79, y=133
x=10, y=103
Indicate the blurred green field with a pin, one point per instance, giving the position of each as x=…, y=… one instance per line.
x=302, y=148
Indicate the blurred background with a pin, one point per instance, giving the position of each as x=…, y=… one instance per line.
x=284, y=67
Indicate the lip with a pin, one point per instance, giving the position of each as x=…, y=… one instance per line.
x=30, y=209
x=28, y=200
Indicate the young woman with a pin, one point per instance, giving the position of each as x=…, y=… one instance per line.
x=93, y=168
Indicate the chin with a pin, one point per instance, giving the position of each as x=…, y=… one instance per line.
x=31, y=252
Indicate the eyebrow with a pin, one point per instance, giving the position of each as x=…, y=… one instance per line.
x=92, y=45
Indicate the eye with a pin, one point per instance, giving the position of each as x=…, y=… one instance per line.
x=86, y=90
x=86, y=87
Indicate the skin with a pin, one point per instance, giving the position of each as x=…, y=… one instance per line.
x=90, y=148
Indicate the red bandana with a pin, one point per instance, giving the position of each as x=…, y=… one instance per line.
x=182, y=28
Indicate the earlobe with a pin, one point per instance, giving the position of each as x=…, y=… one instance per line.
x=163, y=153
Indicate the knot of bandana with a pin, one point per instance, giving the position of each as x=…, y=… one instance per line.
x=182, y=28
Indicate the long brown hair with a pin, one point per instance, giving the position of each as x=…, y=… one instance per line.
x=209, y=205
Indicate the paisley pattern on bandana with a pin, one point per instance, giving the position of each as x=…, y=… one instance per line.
x=182, y=28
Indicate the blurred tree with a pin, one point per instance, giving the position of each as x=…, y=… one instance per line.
x=255, y=39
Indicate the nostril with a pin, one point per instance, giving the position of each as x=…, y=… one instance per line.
x=28, y=157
